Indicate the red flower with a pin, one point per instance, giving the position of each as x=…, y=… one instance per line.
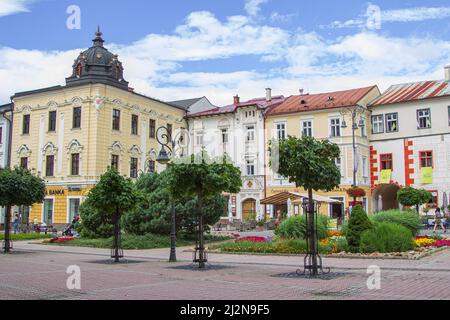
x=356, y=192
x=252, y=239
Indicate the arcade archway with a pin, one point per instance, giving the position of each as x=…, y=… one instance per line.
x=384, y=197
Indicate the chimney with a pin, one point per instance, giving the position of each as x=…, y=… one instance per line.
x=301, y=91
x=236, y=99
x=268, y=94
x=447, y=73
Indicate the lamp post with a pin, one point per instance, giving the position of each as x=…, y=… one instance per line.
x=354, y=112
x=7, y=242
x=164, y=138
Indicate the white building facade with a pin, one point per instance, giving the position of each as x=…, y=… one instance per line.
x=410, y=142
x=237, y=130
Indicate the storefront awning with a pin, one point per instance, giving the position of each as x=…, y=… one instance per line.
x=283, y=197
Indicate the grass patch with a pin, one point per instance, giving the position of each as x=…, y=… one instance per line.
x=25, y=237
x=132, y=242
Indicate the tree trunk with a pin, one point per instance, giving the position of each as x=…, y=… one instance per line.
x=201, y=246
x=7, y=247
x=116, y=236
x=312, y=234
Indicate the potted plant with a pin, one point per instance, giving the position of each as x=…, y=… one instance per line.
x=261, y=225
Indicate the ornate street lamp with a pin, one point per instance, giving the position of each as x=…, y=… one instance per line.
x=354, y=112
x=164, y=138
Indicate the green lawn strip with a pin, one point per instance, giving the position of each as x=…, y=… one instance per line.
x=25, y=237
x=132, y=242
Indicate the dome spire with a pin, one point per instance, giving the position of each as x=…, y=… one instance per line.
x=98, y=41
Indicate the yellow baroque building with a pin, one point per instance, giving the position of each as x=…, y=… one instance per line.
x=323, y=116
x=69, y=135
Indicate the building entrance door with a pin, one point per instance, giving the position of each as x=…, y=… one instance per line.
x=48, y=211
x=337, y=211
x=248, y=209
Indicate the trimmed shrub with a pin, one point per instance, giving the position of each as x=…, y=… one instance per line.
x=358, y=223
x=295, y=228
x=386, y=237
x=94, y=224
x=409, y=219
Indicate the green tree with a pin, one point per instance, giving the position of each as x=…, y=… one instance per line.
x=152, y=213
x=309, y=164
x=413, y=197
x=358, y=223
x=18, y=187
x=111, y=197
x=205, y=178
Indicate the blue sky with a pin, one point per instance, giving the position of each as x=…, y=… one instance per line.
x=178, y=49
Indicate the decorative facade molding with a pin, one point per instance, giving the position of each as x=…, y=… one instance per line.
x=23, y=152
x=135, y=151
x=74, y=147
x=49, y=149
x=116, y=148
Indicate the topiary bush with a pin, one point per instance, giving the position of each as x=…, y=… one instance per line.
x=358, y=223
x=409, y=219
x=386, y=237
x=295, y=228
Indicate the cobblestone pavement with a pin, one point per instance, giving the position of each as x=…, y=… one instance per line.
x=39, y=272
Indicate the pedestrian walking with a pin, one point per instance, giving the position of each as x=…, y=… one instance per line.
x=438, y=221
x=16, y=223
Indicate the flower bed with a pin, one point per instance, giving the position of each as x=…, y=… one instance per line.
x=61, y=240
x=424, y=242
x=254, y=239
x=334, y=234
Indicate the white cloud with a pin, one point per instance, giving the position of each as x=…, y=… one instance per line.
x=416, y=14
x=252, y=7
x=282, y=18
x=154, y=64
x=8, y=7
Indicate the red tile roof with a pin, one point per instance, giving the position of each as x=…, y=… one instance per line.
x=413, y=91
x=311, y=102
x=260, y=103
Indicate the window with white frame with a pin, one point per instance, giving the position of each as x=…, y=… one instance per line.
x=250, y=135
x=335, y=127
x=74, y=208
x=307, y=128
x=365, y=167
x=250, y=167
x=338, y=162
x=378, y=124
x=424, y=119
x=281, y=131
x=224, y=136
x=392, y=122
x=199, y=139
x=363, y=129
